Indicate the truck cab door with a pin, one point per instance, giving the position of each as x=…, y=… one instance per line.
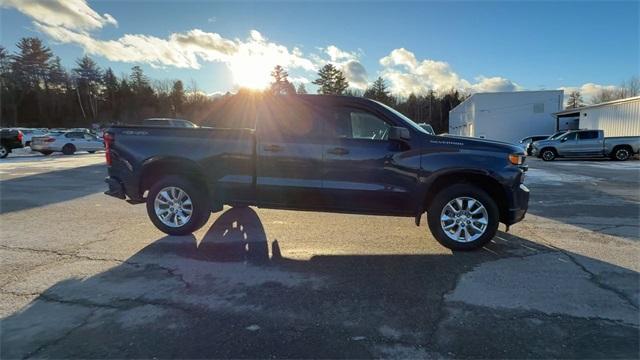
x=289, y=155
x=360, y=172
x=590, y=143
x=567, y=146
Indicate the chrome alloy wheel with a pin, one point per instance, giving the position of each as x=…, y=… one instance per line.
x=3, y=151
x=173, y=206
x=464, y=219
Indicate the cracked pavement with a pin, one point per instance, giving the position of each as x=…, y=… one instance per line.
x=84, y=275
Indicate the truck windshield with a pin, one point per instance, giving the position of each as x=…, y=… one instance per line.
x=406, y=119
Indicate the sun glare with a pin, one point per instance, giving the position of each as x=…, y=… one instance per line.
x=251, y=72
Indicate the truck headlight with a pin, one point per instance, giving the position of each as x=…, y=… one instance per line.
x=516, y=159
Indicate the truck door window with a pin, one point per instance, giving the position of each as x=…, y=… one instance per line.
x=287, y=119
x=588, y=135
x=569, y=137
x=357, y=124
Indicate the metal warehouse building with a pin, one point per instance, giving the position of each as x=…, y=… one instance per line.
x=616, y=118
x=507, y=116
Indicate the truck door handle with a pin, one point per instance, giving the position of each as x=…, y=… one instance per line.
x=338, y=151
x=273, y=148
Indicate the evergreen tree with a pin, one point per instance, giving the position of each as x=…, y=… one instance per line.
x=88, y=82
x=57, y=77
x=378, y=91
x=177, y=97
x=331, y=81
x=301, y=89
x=139, y=81
x=31, y=63
x=281, y=84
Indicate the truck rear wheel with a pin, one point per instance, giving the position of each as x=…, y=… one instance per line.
x=463, y=217
x=621, y=154
x=176, y=206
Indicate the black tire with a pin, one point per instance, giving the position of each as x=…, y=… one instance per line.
x=201, y=209
x=434, y=213
x=4, y=152
x=622, y=153
x=91, y=152
x=69, y=149
x=548, y=154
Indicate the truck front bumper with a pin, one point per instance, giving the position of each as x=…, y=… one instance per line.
x=518, y=205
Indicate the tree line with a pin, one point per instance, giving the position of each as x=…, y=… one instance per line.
x=627, y=89
x=37, y=91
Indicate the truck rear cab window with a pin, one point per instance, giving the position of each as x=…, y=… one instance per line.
x=587, y=135
x=282, y=118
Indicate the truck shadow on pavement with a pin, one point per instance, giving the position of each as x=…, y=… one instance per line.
x=226, y=297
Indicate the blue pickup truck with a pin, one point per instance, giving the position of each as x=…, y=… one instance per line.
x=320, y=153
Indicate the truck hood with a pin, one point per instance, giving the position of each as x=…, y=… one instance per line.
x=481, y=144
x=541, y=143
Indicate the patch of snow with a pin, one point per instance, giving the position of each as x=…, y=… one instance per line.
x=544, y=177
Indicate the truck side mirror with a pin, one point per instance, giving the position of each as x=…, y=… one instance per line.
x=563, y=139
x=398, y=133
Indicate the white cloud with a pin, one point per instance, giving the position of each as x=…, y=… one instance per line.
x=348, y=62
x=337, y=55
x=588, y=90
x=406, y=74
x=72, y=14
x=494, y=84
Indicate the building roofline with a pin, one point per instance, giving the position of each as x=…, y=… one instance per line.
x=574, y=110
x=504, y=92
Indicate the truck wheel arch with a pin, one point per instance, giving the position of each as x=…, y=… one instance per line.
x=479, y=179
x=621, y=147
x=155, y=168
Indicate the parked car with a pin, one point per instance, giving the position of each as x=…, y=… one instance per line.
x=321, y=153
x=9, y=139
x=427, y=128
x=169, y=122
x=587, y=143
x=66, y=141
x=526, y=142
x=28, y=133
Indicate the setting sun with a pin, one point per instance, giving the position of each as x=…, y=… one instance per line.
x=251, y=72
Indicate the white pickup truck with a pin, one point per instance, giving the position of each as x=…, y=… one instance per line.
x=587, y=143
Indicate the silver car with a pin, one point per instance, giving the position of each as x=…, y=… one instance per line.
x=67, y=142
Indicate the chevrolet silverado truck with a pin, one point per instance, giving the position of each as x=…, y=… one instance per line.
x=320, y=153
x=587, y=143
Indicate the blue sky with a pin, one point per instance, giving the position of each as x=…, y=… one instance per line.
x=477, y=46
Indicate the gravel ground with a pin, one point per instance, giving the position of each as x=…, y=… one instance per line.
x=83, y=275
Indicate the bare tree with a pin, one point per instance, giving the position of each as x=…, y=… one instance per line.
x=574, y=100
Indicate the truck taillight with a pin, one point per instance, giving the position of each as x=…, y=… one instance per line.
x=20, y=135
x=108, y=141
x=49, y=139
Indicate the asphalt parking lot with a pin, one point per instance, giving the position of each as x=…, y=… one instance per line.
x=83, y=275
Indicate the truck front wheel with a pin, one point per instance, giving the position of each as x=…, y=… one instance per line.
x=176, y=206
x=463, y=217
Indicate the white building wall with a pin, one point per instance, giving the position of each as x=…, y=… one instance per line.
x=618, y=119
x=507, y=116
